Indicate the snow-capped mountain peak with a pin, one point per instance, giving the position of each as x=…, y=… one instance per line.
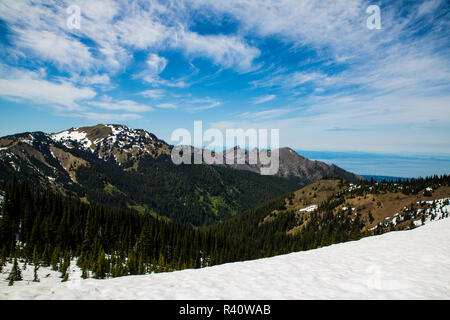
x=111, y=140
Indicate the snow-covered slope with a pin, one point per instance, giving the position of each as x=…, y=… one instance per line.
x=412, y=264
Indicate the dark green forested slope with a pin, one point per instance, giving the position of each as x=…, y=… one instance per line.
x=192, y=194
x=47, y=229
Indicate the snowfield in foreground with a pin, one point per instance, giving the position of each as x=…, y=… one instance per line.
x=412, y=264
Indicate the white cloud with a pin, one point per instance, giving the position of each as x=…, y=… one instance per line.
x=289, y=80
x=156, y=64
x=141, y=28
x=96, y=79
x=153, y=93
x=226, y=51
x=29, y=87
x=67, y=53
x=266, y=114
x=331, y=23
x=172, y=83
x=204, y=104
x=428, y=7
x=114, y=30
x=395, y=56
x=264, y=99
x=166, y=106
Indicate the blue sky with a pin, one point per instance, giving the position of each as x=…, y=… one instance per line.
x=309, y=68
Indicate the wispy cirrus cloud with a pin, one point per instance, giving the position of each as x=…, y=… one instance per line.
x=154, y=66
x=96, y=79
x=204, y=104
x=295, y=79
x=263, y=99
x=226, y=51
x=115, y=30
x=166, y=106
x=266, y=114
x=153, y=93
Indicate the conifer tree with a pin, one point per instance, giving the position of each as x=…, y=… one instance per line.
x=65, y=265
x=55, y=259
x=141, y=265
x=15, y=274
x=131, y=264
x=45, y=257
x=100, y=266
x=161, y=263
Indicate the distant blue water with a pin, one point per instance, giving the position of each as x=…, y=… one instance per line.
x=405, y=166
x=380, y=178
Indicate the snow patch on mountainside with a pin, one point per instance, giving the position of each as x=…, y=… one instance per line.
x=440, y=209
x=308, y=209
x=69, y=135
x=72, y=135
x=413, y=264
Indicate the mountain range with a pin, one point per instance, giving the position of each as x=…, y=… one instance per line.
x=131, y=168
